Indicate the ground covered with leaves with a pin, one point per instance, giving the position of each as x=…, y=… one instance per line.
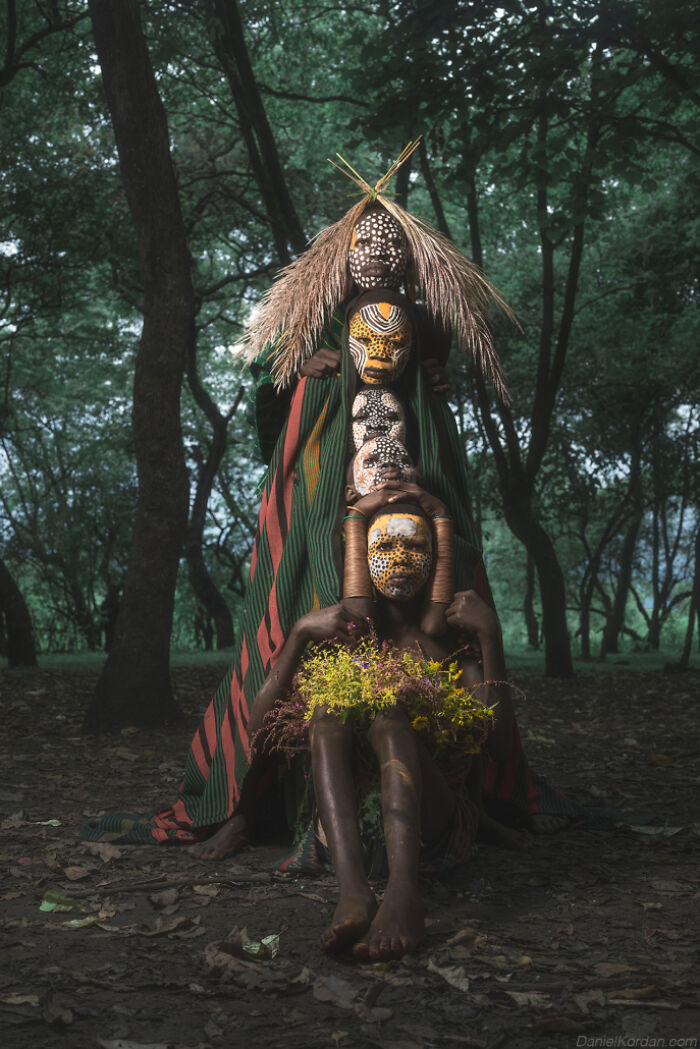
x=590, y=933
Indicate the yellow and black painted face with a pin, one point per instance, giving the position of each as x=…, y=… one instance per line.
x=399, y=553
x=380, y=336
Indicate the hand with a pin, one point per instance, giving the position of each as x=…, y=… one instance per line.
x=470, y=615
x=370, y=504
x=429, y=504
x=324, y=364
x=326, y=623
x=436, y=376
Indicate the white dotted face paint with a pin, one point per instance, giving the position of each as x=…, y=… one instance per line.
x=378, y=253
x=378, y=461
x=380, y=336
x=399, y=549
x=377, y=413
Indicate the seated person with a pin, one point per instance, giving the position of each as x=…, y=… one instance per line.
x=418, y=804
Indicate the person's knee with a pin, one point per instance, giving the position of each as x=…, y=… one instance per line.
x=388, y=724
x=325, y=725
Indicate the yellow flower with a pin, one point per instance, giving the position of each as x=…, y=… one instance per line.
x=420, y=723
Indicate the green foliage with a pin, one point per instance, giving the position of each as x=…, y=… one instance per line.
x=539, y=122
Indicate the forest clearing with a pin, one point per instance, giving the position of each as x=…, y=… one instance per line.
x=446, y=388
x=591, y=932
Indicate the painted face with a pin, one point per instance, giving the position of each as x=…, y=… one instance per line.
x=378, y=461
x=379, y=339
x=377, y=413
x=377, y=255
x=399, y=548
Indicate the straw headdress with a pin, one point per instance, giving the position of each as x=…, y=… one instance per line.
x=291, y=315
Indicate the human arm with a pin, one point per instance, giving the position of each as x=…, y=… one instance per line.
x=316, y=626
x=471, y=617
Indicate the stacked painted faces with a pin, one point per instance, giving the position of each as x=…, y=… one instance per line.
x=380, y=339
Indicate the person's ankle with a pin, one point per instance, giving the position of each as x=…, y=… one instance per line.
x=403, y=884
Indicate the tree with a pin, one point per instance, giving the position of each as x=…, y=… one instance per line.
x=134, y=686
x=21, y=651
x=535, y=107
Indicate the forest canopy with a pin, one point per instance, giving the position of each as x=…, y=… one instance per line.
x=560, y=151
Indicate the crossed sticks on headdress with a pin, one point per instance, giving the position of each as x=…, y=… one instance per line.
x=373, y=192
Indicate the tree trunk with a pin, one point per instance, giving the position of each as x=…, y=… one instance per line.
x=694, y=610
x=557, y=644
x=615, y=621
x=109, y=610
x=586, y=592
x=585, y=630
x=531, y=623
x=203, y=630
x=654, y=634
x=231, y=51
x=207, y=592
x=403, y=183
x=84, y=619
x=21, y=651
x=134, y=687
x=427, y=173
x=518, y=467
x=203, y=585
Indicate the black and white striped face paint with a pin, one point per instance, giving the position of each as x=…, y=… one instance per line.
x=380, y=460
x=377, y=413
x=379, y=339
x=377, y=255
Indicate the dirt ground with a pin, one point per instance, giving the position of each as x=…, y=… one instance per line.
x=591, y=933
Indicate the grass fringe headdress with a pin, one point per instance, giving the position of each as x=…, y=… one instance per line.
x=454, y=291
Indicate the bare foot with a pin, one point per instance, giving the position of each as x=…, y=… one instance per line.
x=229, y=839
x=398, y=927
x=351, y=919
x=542, y=823
x=493, y=832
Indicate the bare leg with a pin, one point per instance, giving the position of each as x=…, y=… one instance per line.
x=399, y=925
x=335, y=799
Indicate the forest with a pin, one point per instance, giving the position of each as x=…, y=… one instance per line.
x=162, y=160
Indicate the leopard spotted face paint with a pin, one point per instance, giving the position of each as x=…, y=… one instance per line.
x=377, y=254
x=399, y=553
x=377, y=413
x=380, y=336
x=378, y=461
